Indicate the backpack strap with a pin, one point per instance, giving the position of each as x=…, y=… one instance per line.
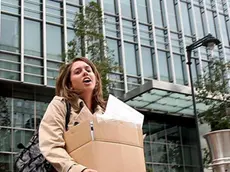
x=67, y=117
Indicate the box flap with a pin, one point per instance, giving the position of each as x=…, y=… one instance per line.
x=115, y=131
x=77, y=136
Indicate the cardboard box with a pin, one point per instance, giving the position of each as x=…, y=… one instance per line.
x=113, y=146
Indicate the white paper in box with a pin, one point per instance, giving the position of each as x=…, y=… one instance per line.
x=118, y=110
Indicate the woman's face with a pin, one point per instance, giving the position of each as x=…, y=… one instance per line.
x=82, y=77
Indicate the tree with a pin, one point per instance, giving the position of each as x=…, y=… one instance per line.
x=89, y=42
x=213, y=91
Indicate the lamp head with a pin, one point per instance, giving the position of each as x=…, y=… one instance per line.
x=210, y=42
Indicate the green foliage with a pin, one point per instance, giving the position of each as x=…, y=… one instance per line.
x=89, y=42
x=213, y=91
x=206, y=157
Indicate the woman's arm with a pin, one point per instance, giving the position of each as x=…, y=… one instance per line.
x=51, y=140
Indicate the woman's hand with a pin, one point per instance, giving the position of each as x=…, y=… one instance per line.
x=89, y=170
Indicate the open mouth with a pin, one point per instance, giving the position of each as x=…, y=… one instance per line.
x=87, y=80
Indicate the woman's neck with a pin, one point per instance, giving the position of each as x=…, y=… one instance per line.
x=87, y=98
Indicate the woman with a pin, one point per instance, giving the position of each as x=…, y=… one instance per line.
x=80, y=84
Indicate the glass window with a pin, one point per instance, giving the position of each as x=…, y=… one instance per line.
x=178, y=66
x=5, y=141
x=77, y=2
x=11, y=6
x=33, y=70
x=224, y=30
x=70, y=14
x=40, y=111
x=5, y=162
x=109, y=6
x=130, y=59
x=114, y=47
x=211, y=23
x=186, y=18
x=54, y=42
x=9, y=33
x=161, y=38
x=126, y=10
x=23, y=113
x=147, y=62
x=21, y=136
x=70, y=35
x=142, y=11
x=198, y=19
x=128, y=31
x=227, y=53
x=33, y=8
x=52, y=72
x=194, y=69
x=176, y=47
x=5, y=111
x=111, y=26
x=160, y=168
x=145, y=35
x=157, y=12
x=163, y=65
x=172, y=15
x=33, y=44
x=9, y=66
x=54, y=11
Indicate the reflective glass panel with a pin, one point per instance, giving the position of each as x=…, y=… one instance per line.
x=147, y=60
x=21, y=136
x=223, y=26
x=211, y=23
x=198, y=21
x=109, y=6
x=178, y=67
x=11, y=6
x=126, y=8
x=111, y=26
x=54, y=11
x=5, y=111
x=5, y=141
x=70, y=14
x=23, y=113
x=128, y=30
x=186, y=18
x=142, y=11
x=5, y=162
x=172, y=15
x=113, y=46
x=33, y=45
x=130, y=59
x=9, y=33
x=9, y=66
x=163, y=65
x=54, y=42
x=157, y=12
x=75, y=2
x=33, y=8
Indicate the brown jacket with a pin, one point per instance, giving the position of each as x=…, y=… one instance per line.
x=52, y=127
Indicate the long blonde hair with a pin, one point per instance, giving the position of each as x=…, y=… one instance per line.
x=63, y=84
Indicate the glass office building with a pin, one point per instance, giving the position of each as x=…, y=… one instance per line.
x=149, y=39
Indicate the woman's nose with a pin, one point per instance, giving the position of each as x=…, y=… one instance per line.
x=85, y=73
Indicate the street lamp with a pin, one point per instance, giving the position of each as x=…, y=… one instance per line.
x=207, y=41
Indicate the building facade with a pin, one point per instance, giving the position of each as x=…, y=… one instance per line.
x=149, y=39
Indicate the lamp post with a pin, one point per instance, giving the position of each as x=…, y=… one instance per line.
x=207, y=41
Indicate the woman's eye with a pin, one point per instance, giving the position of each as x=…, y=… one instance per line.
x=77, y=72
